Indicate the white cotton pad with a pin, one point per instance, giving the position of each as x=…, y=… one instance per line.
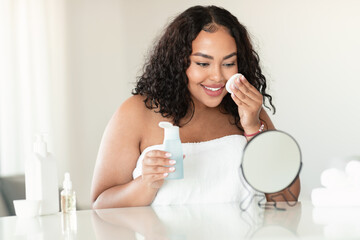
x=231, y=80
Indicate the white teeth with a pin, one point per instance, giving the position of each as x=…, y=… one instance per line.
x=212, y=89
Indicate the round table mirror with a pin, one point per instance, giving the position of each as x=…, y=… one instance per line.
x=271, y=161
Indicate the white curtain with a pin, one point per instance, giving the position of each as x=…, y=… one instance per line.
x=27, y=60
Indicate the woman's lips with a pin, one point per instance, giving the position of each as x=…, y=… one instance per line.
x=213, y=90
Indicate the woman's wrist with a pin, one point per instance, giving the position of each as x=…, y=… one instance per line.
x=251, y=132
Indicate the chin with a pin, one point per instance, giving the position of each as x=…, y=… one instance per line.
x=205, y=100
x=212, y=103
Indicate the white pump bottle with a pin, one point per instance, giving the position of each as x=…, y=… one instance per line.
x=173, y=145
x=41, y=180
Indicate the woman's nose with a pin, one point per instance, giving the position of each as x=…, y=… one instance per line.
x=216, y=74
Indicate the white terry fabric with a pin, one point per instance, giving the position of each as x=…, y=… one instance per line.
x=211, y=173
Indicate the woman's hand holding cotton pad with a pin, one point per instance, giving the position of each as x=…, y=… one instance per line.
x=231, y=81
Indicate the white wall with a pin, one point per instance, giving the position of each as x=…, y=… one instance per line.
x=308, y=49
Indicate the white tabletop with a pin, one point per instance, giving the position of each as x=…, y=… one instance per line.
x=215, y=221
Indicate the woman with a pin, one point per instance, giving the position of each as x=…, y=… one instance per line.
x=184, y=83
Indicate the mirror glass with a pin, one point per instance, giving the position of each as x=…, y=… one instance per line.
x=271, y=161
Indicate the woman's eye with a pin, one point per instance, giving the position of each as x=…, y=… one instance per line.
x=201, y=64
x=229, y=64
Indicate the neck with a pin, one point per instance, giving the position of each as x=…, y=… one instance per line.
x=198, y=111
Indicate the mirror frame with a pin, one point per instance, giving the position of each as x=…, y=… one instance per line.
x=252, y=140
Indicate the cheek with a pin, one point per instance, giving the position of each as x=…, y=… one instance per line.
x=195, y=75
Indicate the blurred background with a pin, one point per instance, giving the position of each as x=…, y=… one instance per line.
x=67, y=65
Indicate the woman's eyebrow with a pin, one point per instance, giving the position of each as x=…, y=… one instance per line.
x=203, y=55
x=229, y=56
x=211, y=57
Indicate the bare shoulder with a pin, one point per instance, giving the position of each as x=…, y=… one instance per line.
x=129, y=120
x=133, y=106
x=132, y=113
x=134, y=101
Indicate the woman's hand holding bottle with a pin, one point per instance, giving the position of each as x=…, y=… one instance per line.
x=157, y=165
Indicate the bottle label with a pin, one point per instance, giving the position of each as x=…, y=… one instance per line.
x=68, y=203
x=175, y=148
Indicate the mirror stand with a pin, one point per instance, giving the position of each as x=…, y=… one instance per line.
x=272, y=204
x=262, y=203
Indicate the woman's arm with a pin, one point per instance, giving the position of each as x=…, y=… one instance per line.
x=113, y=184
x=265, y=119
x=251, y=113
x=250, y=101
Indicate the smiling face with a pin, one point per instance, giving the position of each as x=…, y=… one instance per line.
x=213, y=62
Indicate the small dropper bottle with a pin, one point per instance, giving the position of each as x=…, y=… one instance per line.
x=68, y=197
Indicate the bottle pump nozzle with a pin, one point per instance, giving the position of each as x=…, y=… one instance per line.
x=171, y=132
x=40, y=146
x=67, y=184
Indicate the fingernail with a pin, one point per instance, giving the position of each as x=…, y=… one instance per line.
x=172, y=161
x=168, y=154
x=171, y=169
x=238, y=80
x=165, y=174
x=233, y=86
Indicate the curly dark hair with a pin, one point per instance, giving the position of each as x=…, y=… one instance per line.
x=164, y=80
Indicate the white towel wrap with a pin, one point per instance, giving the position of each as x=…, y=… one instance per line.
x=211, y=173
